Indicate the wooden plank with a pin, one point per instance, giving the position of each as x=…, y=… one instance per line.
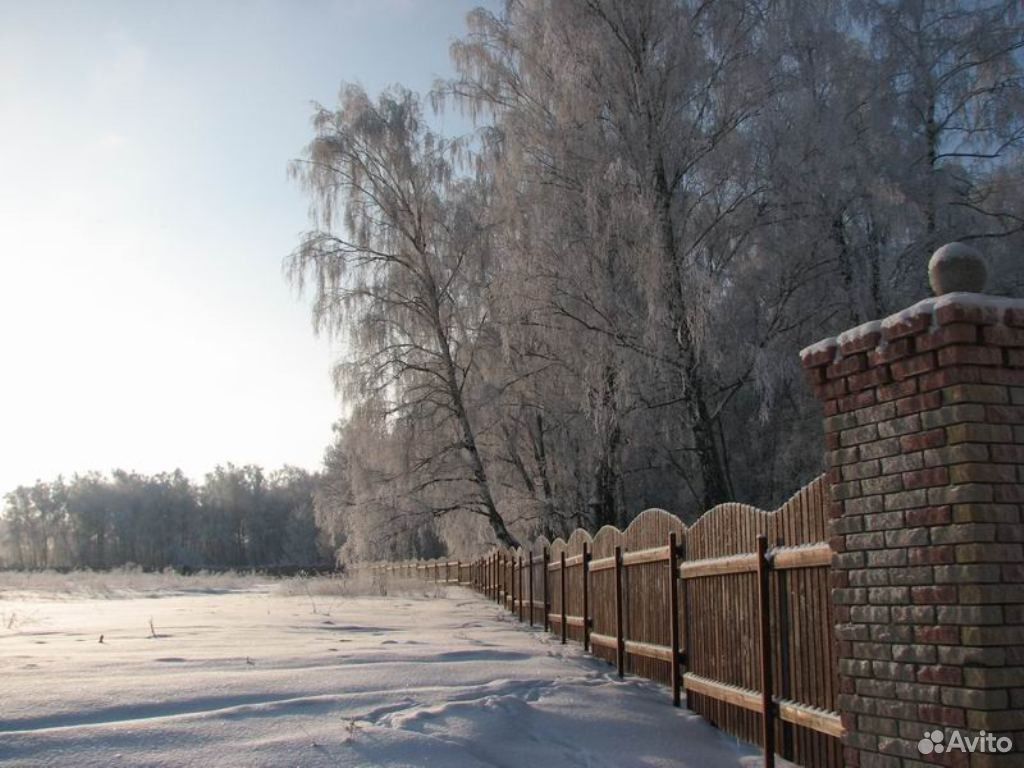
x=806, y=556
x=570, y=620
x=819, y=720
x=603, y=641
x=652, y=555
x=719, y=566
x=731, y=694
x=573, y=561
x=648, y=650
x=602, y=564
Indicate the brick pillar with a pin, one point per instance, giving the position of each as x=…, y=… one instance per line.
x=925, y=442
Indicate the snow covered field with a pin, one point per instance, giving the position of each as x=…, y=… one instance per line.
x=253, y=676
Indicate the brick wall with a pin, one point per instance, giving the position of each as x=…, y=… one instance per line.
x=924, y=420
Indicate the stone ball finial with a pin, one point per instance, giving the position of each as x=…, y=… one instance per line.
x=957, y=267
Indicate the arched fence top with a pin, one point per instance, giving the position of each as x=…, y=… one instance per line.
x=727, y=529
x=797, y=521
x=558, y=546
x=651, y=529
x=576, y=541
x=606, y=540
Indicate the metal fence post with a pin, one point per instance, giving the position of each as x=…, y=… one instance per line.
x=547, y=621
x=673, y=599
x=530, y=581
x=620, y=642
x=561, y=582
x=768, y=718
x=585, y=567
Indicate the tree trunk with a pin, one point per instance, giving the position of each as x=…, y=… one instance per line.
x=608, y=477
x=713, y=475
x=466, y=433
x=845, y=257
x=540, y=455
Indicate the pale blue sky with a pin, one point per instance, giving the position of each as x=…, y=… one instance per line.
x=144, y=214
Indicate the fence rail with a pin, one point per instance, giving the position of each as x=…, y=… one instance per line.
x=734, y=610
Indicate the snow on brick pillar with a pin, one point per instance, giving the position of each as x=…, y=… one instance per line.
x=924, y=422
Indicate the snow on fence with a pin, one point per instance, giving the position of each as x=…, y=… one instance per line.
x=735, y=610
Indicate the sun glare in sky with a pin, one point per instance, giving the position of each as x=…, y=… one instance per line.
x=144, y=215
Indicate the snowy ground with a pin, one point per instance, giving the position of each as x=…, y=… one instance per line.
x=255, y=677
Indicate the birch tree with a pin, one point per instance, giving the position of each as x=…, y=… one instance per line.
x=395, y=259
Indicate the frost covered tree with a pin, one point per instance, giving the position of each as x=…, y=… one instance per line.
x=397, y=259
x=629, y=143
x=954, y=71
x=668, y=198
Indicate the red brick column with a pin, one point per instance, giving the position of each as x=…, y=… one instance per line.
x=925, y=437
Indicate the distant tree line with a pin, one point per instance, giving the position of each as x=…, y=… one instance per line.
x=594, y=303
x=237, y=517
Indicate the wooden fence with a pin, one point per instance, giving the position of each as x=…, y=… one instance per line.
x=734, y=610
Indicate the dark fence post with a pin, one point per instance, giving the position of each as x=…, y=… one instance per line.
x=673, y=600
x=512, y=583
x=547, y=622
x=620, y=641
x=530, y=583
x=561, y=582
x=519, y=584
x=768, y=718
x=586, y=597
